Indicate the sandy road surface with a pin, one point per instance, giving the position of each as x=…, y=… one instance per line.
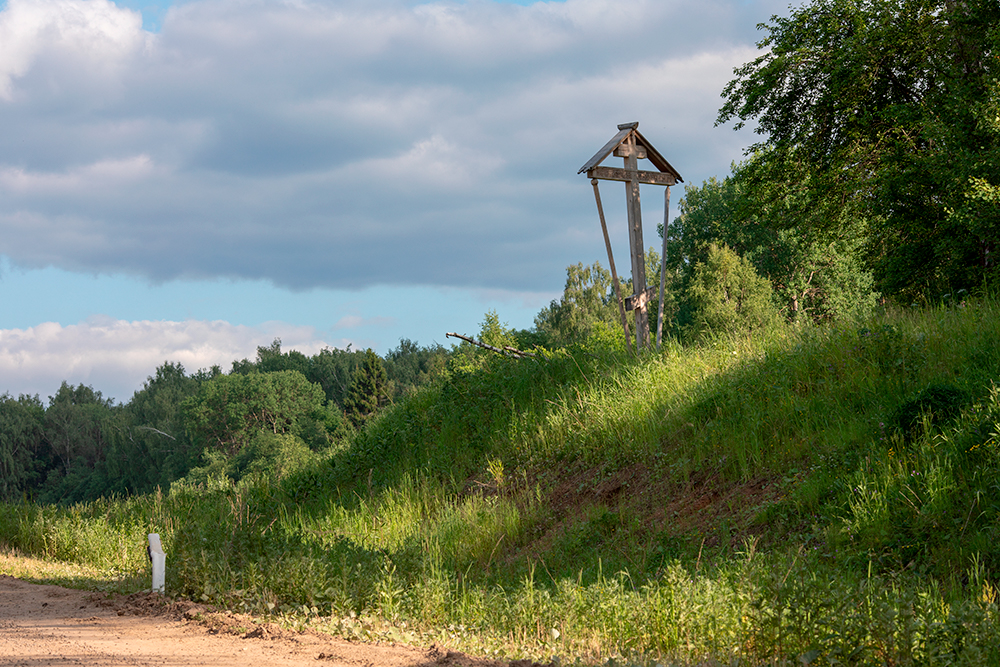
x=43, y=626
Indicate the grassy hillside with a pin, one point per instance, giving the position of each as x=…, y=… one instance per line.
x=812, y=495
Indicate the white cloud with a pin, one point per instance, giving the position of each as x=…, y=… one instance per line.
x=101, y=175
x=344, y=144
x=116, y=356
x=92, y=38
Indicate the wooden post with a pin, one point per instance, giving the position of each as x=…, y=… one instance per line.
x=631, y=153
x=663, y=266
x=158, y=561
x=611, y=261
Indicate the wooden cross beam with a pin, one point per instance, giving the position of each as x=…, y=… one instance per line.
x=647, y=177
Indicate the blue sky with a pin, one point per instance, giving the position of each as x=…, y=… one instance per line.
x=187, y=181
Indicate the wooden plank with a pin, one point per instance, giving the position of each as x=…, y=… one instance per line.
x=635, y=238
x=623, y=131
x=640, y=152
x=658, y=160
x=632, y=302
x=663, y=265
x=615, y=174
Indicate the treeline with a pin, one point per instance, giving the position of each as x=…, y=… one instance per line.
x=278, y=409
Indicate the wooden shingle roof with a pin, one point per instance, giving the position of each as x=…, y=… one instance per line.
x=653, y=155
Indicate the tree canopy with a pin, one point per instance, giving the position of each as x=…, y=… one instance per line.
x=817, y=272
x=229, y=410
x=888, y=108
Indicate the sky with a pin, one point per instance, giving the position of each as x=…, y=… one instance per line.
x=186, y=181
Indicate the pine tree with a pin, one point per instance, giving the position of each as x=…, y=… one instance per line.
x=370, y=390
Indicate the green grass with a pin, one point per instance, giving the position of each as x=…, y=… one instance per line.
x=811, y=495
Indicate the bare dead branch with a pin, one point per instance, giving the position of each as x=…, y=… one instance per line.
x=506, y=350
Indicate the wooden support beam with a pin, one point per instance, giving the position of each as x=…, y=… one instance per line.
x=628, y=151
x=634, y=301
x=648, y=177
x=611, y=261
x=663, y=266
x=640, y=152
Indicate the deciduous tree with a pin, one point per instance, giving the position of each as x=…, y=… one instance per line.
x=22, y=422
x=229, y=410
x=728, y=295
x=887, y=107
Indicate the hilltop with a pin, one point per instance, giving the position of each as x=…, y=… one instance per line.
x=803, y=492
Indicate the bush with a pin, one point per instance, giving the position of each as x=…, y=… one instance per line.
x=727, y=295
x=939, y=402
x=271, y=455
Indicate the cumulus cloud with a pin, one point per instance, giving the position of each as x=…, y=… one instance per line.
x=344, y=144
x=116, y=356
x=92, y=39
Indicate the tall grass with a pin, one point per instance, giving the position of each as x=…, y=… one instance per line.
x=480, y=512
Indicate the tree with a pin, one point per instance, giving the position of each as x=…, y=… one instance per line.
x=148, y=444
x=229, y=410
x=75, y=445
x=887, y=107
x=369, y=392
x=815, y=271
x=587, y=299
x=271, y=358
x=333, y=370
x=21, y=431
x=728, y=295
x=73, y=425
x=409, y=366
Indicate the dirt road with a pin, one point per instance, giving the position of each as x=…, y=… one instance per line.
x=43, y=626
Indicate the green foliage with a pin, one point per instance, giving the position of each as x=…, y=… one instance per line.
x=932, y=503
x=148, y=442
x=526, y=507
x=272, y=456
x=936, y=404
x=493, y=332
x=468, y=358
x=21, y=432
x=370, y=390
x=815, y=271
x=886, y=108
x=409, y=366
x=727, y=295
x=229, y=410
x=76, y=444
x=588, y=299
x=331, y=368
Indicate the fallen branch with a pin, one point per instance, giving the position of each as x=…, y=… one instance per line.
x=154, y=430
x=506, y=350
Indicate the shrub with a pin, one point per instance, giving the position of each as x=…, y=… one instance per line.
x=727, y=295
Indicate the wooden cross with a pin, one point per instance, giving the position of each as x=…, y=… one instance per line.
x=630, y=145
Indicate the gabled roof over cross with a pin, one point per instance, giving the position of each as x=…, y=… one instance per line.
x=666, y=175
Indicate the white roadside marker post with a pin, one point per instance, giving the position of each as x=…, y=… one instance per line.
x=158, y=559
